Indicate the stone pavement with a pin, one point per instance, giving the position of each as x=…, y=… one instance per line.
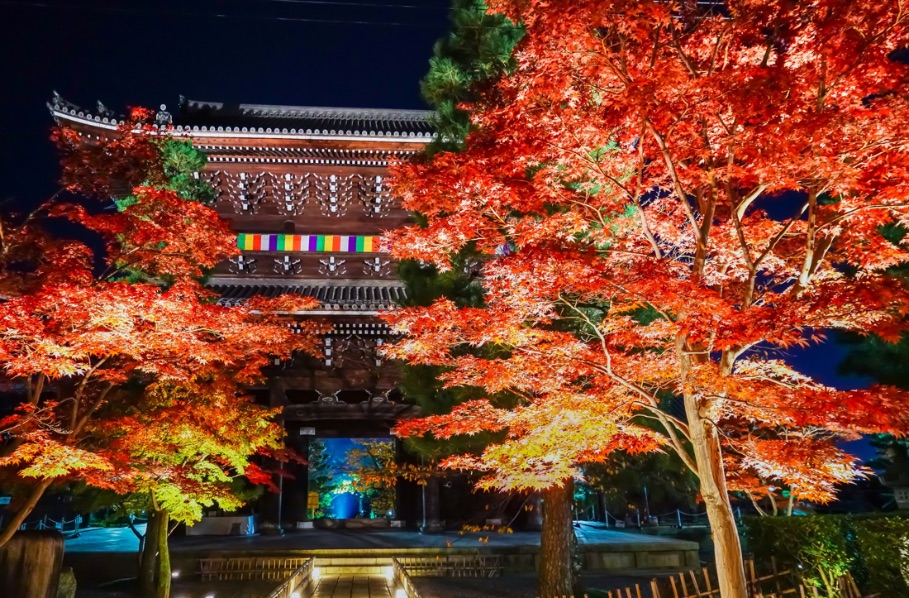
x=123, y=540
x=354, y=586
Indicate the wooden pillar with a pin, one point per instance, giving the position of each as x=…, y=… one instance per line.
x=272, y=503
x=431, y=522
x=296, y=488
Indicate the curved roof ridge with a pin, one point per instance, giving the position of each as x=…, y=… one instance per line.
x=288, y=111
x=208, y=119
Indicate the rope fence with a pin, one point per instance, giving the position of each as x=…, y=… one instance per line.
x=49, y=523
x=677, y=518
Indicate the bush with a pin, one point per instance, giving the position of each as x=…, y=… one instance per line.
x=883, y=554
x=875, y=549
x=817, y=547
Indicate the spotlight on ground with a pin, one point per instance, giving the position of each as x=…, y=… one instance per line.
x=316, y=573
x=295, y=595
x=400, y=593
x=389, y=573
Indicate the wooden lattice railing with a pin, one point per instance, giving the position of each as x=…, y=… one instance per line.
x=249, y=568
x=702, y=584
x=453, y=565
x=403, y=580
x=300, y=579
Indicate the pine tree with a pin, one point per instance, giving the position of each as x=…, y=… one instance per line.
x=476, y=52
x=886, y=363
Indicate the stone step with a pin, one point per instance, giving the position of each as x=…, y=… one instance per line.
x=352, y=570
x=353, y=565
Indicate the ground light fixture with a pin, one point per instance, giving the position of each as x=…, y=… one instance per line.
x=400, y=593
x=316, y=573
x=389, y=573
x=295, y=595
x=175, y=574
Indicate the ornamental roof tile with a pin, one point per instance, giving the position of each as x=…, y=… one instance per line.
x=353, y=296
x=341, y=121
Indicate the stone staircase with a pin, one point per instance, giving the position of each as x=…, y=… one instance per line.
x=328, y=566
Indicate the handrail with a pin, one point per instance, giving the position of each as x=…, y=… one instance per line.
x=299, y=578
x=403, y=579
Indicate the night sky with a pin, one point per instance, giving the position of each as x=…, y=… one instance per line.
x=348, y=53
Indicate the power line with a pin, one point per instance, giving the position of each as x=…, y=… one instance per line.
x=159, y=14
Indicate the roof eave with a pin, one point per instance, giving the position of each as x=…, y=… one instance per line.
x=235, y=132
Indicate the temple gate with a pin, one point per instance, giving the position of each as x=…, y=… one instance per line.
x=304, y=189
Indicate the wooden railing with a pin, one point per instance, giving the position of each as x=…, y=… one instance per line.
x=702, y=584
x=297, y=584
x=403, y=580
x=249, y=568
x=453, y=565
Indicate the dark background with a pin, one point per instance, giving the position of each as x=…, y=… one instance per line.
x=348, y=53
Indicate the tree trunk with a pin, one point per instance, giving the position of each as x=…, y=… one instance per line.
x=162, y=585
x=709, y=458
x=556, y=574
x=30, y=565
x=149, y=555
x=24, y=511
x=154, y=572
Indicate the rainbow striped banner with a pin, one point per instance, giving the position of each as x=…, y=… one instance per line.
x=311, y=243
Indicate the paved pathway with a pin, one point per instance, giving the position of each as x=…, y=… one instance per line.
x=353, y=586
x=123, y=540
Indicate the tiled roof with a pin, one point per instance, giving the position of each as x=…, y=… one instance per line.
x=213, y=119
x=337, y=121
x=353, y=296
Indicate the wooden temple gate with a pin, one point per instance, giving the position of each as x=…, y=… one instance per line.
x=304, y=189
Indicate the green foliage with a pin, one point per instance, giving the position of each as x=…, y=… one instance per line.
x=871, y=356
x=624, y=476
x=370, y=470
x=320, y=477
x=887, y=363
x=824, y=547
x=182, y=163
x=421, y=383
x=817, y=546
x=477, y=51
x=425, y=284
x=883, y=554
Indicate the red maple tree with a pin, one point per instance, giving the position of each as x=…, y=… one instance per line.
x=133, y=378
x=667, y=196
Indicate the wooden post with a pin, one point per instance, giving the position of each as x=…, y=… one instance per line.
x=654, y=588
x=707, y=580
x=776, y=575
x=694, y=582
